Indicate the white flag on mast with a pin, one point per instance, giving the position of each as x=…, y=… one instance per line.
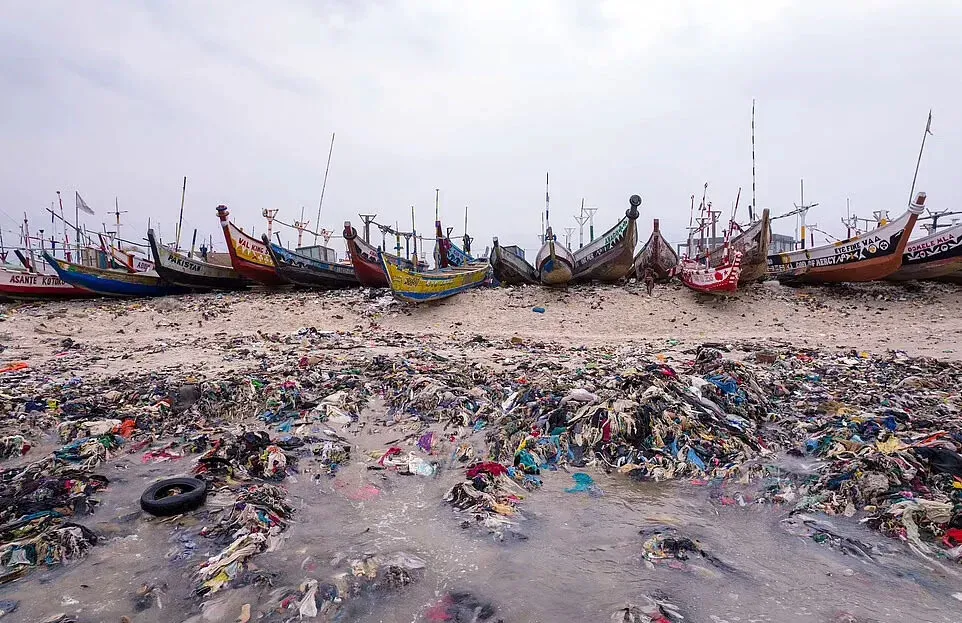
x=82, y=205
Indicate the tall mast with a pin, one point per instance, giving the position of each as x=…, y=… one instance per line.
x=751, y=208
x=581, y=219
x=414, y=234
x=547, y=202
x=928, y=130
x=180, y=221
x=324, y=186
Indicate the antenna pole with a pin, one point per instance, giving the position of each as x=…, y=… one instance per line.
x=324, y=185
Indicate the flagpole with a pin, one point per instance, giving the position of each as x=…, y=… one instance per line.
x=928, y=130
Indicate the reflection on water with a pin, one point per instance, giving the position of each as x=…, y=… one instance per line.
x=581, y=561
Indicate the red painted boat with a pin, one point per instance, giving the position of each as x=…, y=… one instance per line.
x=721, y=279
x=248, y=255
x=20, y=284
x=367, y=264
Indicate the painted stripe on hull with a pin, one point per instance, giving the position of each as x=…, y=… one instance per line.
x=107, y=284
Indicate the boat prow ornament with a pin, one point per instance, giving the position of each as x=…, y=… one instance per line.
x=918, y=206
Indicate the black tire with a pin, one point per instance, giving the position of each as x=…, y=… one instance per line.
x=158, y=500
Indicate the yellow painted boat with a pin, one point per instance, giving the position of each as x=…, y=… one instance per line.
x=434, y=285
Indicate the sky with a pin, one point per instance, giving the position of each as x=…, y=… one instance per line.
x=477, y=99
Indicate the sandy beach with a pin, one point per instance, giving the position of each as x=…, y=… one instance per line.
x=921, y=320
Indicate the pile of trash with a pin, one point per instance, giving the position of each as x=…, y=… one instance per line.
x=639, y=416
x=241, y=469
x=887, y=435
x=329, y=600
x=37, y=501
x=491, y=495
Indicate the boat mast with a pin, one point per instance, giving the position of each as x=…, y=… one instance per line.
x=802, y=214
x=180, y=221
x=466, y=238
x=581, y=220
x=414, y=234
x=547, y=213
x=751, y=208
x=324, y=185
x=928, y=130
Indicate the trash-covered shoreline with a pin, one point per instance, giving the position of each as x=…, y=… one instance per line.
x=496, y=434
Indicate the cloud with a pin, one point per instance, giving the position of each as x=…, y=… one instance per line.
x=478, y=99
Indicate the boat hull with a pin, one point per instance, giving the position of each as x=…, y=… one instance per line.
x=510, y=269
x=753, y=244
x=309, y=272
x=932, y=257
x=367, y=265
x=555, y=264
x=456, y=255
x=868, y=257
x=610, y=257
x=190, y=272
x=712, y=279
x=420, y=287
x=248, y=255
x=17, y=284
x=657, y=256
x=112, y=283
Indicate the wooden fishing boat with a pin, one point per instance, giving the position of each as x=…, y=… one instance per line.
x=753, y=243
x=418, y=287
x=456, y=256
x=112, y=282
x=22, y=284
x=307, y=271
x=248, y=255
x=656, y=255
x=721, y=279
x=555, y=263
x=131, y=262
x=609, y=257
x=191, y=272
x=367, y=265
x=866, y=257
x=510, y=268
x=932, y=257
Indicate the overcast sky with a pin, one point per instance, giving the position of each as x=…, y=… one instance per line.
x=479, y=99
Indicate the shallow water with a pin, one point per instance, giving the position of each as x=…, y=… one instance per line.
x=581, y=561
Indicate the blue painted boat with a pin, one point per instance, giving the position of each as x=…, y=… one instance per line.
x=310, y=272
x=111, y=282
